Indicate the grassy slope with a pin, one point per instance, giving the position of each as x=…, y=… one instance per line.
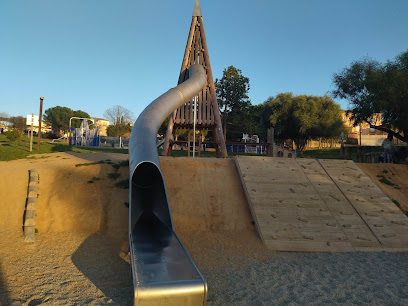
x=21, y=148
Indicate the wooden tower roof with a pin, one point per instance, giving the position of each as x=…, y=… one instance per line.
x=208, y=115
x=197, y=53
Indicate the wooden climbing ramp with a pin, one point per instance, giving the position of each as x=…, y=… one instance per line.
x=387, y=222
x=315, y=206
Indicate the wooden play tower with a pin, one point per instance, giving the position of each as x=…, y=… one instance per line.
x=207, y=112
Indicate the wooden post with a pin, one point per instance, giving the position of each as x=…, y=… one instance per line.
x=270, y=140
x=199, y=143
x=32, y=126
x=360, y=134
x=342, y=145
x=188, y=143
x=39, y=124
x=218, y=129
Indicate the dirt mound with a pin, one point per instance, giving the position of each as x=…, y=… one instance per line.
x=71, y=198
x=205, y=194
x=392, y=180
x=76, y=194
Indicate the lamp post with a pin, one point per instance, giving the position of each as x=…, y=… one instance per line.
x=32, y=127
x=39, y=124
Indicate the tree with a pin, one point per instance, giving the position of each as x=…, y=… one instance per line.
x=301, y=118
x=13, y=135
x=118, y=115
x=232, y=96
x=120, y=119
x=18, y=123
x=372, y=87
x=4, y=117
x=118, y=130
x=59, y=118
x=263, y=118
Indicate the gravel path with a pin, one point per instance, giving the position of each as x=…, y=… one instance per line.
x=301, y=279
x=69, y=269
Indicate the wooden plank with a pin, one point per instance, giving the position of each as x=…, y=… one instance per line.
x=291, y=199
x=370, y=203
x=212, y=95
x=305, y=218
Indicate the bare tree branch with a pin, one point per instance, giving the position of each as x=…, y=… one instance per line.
x=119, y=115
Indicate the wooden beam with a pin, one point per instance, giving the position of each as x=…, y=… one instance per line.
x=216, y=113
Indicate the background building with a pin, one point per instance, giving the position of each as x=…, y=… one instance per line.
x=102, y=125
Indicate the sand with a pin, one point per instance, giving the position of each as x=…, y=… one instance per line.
x=79, y=256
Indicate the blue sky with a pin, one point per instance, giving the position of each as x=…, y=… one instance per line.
x=94, y=54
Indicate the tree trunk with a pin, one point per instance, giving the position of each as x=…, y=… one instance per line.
x=225, y=122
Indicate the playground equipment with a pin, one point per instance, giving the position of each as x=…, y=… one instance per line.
x=201, y=113
x=83, y=136
x=163, y=272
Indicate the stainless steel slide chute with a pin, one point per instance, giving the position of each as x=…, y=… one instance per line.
x=163, y=272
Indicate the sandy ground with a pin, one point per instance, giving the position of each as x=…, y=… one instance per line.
x=77, y=258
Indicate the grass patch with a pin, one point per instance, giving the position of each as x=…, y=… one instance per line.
x=38, y=157
x=90, y=164
x=123, y=184
x=115, y=166
x=184, y=153
x=21, y=148
x=124, y=163
x=396, y=203
x=114, y=175
x=386, y=181
x=400, y=207
x=322, y=154
x=94, y=179
x=385, y=171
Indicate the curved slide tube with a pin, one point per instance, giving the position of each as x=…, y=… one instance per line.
x=163, y=272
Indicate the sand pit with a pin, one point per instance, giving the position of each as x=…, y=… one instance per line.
x=82, y=228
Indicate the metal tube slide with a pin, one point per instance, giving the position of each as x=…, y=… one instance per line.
x=163, y=272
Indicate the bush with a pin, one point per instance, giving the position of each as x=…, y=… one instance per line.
x=351, y=141
x=13, y=135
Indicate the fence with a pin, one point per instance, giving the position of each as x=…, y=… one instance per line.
x=113, y=142
x=261, y=149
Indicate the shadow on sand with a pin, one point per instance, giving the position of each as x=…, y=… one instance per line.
x=98, y=258
x=102, y=256
x=4, y=295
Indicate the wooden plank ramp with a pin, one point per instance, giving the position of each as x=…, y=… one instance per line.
x=297, y=206
x=385, y=219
